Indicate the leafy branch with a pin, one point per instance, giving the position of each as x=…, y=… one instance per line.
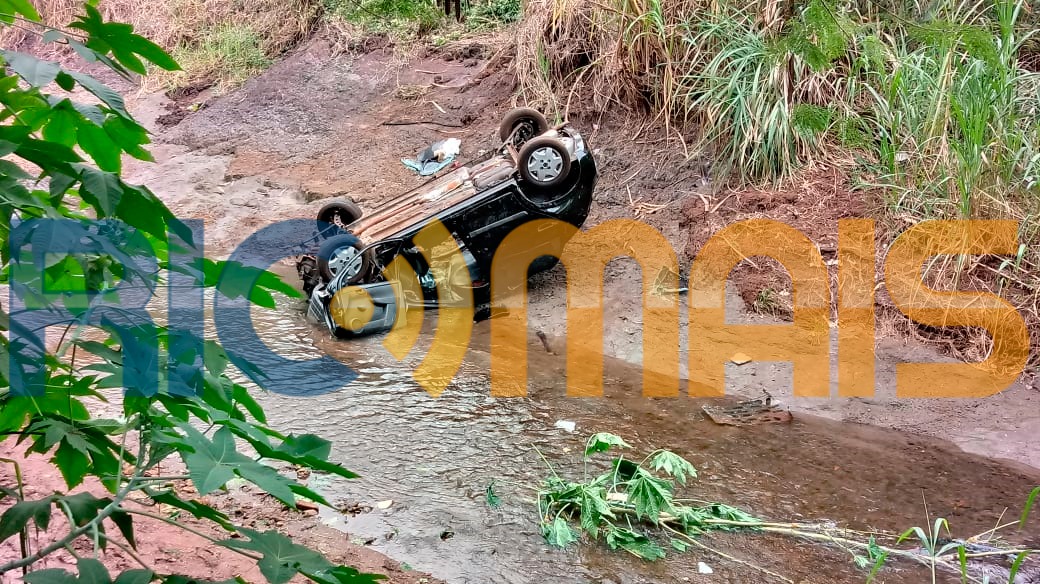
x=633, y=508
x=79, y=242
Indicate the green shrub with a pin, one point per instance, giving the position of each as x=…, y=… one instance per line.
x=227, y=55
x=398, y=17
x=492, y=13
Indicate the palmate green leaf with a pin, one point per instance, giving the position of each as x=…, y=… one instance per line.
x=52, y=157
x=693, y=517
x=286, y=454
x=11, y=137
x=306, y=445
x=9, y=8
x=129, y=136
x=178, y=579
x=242, y=396
x=14, y=171
x=602, y=442
x=35, y=72
x=197, y=509
x=234, y=280
x=62, y=125
x=135, y=577
x=106, y=94
x=50, y=576
x=558, y=533
x=674, y=465
x=650, y=495
x=84, y=507
x=213, y=462
x=102, y=190
x=120, y=39
x=636, y=544
x=125, y=523
x=72, y=463
x=595, y=509
x=15, y=518
x=92, y=571
x=96, y=142
x=344, y=575
x=678, y=545
x=282, y=559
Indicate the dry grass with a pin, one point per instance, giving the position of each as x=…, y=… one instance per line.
x=185, y=26
x=691, y=63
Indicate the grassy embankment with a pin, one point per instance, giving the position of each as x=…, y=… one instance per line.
x=932, y=108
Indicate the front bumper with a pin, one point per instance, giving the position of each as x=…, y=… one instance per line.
x=355, y=311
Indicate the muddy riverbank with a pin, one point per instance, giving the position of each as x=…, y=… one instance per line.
x=321, y=124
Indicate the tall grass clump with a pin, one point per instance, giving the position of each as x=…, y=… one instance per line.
x=955, y=117
x=934, y=97
x=757, y=100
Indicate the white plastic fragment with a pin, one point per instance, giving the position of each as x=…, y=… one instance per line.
x=566, y=425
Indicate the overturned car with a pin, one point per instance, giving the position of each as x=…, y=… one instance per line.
x=539, y=172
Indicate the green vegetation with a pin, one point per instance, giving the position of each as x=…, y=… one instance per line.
x=399, y=18
x=62, y=161
x=229, y=54
x=410, y=19
x=933, y=99
x=635, y=507
x=492, y=13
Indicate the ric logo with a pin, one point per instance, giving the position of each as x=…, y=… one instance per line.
x=804, y=342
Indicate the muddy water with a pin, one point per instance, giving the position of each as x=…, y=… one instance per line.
x=434, y=458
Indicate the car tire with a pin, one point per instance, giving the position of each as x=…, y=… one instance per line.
x=544, y=162
x=341, y=212
x=329, y=255
x=526, y=122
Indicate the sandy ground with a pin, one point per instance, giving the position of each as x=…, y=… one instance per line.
x=167, y=550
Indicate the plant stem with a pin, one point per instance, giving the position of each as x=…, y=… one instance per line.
x=130, y=552
x=77, y=532
x=726, y=556
x=208, y=538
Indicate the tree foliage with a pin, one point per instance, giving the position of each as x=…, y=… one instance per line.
x=108, y=242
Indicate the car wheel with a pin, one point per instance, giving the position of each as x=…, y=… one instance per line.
x=339, y=212
x=342, y=252
x=522, y=124
x=544, y=162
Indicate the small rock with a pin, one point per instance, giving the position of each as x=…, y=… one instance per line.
x=740, y=359
x=384, y=504
x=703, y=568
